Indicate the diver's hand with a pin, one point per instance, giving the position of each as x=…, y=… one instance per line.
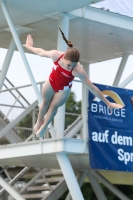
x=112, y=106
x=29, y=42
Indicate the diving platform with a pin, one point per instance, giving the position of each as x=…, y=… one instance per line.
x=42, y=154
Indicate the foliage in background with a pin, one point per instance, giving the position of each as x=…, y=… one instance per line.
x=89, y=194
x=26, y=122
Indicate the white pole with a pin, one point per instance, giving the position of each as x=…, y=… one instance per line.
x=75, y=129
x=80, y=178
x=20, y=48
x=21, y=116
x=63, y=23
x=85, y=105
x=111, y=187
x=59, y=127
x=96, y=187
x=69, y=176
x=121, y=69
x=33, y=123
x=126, y=81
x=7, y=62
x=10, y=190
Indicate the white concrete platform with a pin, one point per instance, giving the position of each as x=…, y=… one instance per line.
x=43, y=155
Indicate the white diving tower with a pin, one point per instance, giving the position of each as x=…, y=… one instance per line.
x=62, y=154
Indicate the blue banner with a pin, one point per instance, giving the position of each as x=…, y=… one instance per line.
x=111, y=134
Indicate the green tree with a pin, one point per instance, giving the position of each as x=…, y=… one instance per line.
x=26, y=121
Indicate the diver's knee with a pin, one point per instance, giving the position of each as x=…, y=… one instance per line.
x=45, y=102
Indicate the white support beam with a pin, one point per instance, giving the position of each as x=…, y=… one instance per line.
x=96, y=187
x=15, y=179
x=20, y=48
x=33, y=123
x=6, y=63
x=121, y=69
x=10, y=190
x=105, y=17
x=21, y=116
x=126, y=81
x=111, y=187
x=31, y=183
x=80, y=178
x=7, y=174
x=75, y=129
x=69, y=176
x=85, y=105
x=50, y=146
x=63, y=23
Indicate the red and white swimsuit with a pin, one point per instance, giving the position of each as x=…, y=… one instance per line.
x=60, y=79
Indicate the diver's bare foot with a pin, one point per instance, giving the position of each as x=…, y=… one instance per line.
x=41, y=131
x=38, y=125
